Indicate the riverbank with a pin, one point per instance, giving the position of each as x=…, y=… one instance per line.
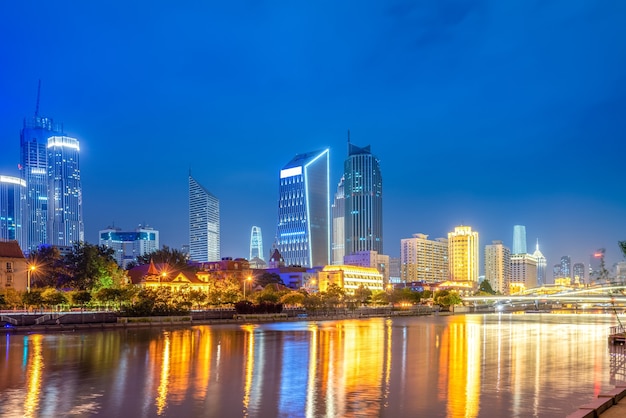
x=611, y=404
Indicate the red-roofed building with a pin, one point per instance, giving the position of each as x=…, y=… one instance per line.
x=13, y=267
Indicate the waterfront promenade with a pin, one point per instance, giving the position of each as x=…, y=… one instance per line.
x=611, y=404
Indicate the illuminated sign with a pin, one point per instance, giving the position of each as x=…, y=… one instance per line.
x=63, y=141
x=12, y=180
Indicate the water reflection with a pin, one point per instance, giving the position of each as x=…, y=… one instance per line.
x=459, y=366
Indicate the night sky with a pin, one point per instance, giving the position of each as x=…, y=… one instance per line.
x=482, y=113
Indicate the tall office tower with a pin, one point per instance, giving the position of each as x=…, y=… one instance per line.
x=597, y=269
x=519, y=239
x=578, y=271
x=65, y=194
x=566, y=267
x=463, y=254
x=12, y=210
x=204, y=224
x=498, y=266
x=542, y=265
x=556, y=272
x=523, y=272
x=423, y=260
x=303, y=231
x=127, y=246
x=34, y=170
x=256, y=243
x=338, y=211
x=363, y=191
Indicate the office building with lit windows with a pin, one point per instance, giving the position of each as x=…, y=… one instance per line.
x=127, y=246
x=542, y=264
x=204, y=224
x=498, y=266
x=363, y=191
x=303, y=230
x=463, y=255
x=523, y=273
x=578, y=271
x=519, y=239
x=423, y=260
x=338, y=212
x=256, y=243
x=12, y=210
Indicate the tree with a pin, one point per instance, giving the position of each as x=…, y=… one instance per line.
x=333, y=296
x=622, y=246
x=268, y=278
x=380, y=297
x=293, y=298
x=92, y=267
x=485, y=288
x=53, y=297
x=447, y=298
x=49, y=267
x=80, y=298
x=32, y=298
x=176, y=259
x=362, y=294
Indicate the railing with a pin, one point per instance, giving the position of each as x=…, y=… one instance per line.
x=8, y=319
x=617, y=329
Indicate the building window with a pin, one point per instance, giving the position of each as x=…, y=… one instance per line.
x=9, y=280
x=9, y=266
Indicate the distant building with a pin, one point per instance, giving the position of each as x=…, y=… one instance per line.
x=303, y=231
x=578, y=270
x=565, y=270
x=620, y=272
x=13, y=267
x=463, y=255
x=350, y=278
x=363, y=192
x=127, y=246
x=338, y=212
x=395, y=269
x=256, y=243
x=370, y=259
x=423, y=260
x=519, y=239
x=204, y=224
x=541, y=266
x=498, y=266
x=523, y=273
x=597, y=269
x=13, y=225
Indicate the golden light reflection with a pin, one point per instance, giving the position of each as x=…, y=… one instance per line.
x=249, y=367
x=311, y=393
x=161, y=400
x=35, y=369
x=388, y=327
x=464, y=370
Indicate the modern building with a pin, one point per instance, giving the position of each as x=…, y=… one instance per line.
x=423, y=260
x=303, y=231
x=498, y=266
x=578, y=271
x=597, y=268
x=565, y=270
x=204, y=224
x=350, y=278
x=519, y=239
x=395, y=269
x=12, y=210
x=256, y=243
x=338, y=212
x=463, y=255
x=127, y=246
x=523, y=273
x=363, y=191
x=65, y=194
x=370, y=259
x=542, y=264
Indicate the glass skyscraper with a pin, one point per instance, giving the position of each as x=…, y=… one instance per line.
x=303, y=231
x=256, y=243
x=12, y=209
x=363, y=194
x=204, y=224
x=338, y=212
x=519, y=239
x=65, y=196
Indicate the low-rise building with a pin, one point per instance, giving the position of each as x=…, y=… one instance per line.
x=14, y=272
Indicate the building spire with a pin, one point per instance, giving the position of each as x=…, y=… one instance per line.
x=38, y=95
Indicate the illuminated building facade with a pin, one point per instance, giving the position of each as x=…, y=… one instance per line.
x=542, y=265
x=303, y=231
x=463, y=254
x=578, y=271
x=350, y=278
x=204, y=224
x=370, y=259
x=65, y=193
x=519, y=239
x=498, y=266
x=423, y=260
x=597, y=269
x=523, y=273
x=363, y=191
x=338, y=210
x=12, y=210
x=127, y=246
x=256, y=243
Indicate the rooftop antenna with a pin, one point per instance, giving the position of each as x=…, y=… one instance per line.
x=38, y=95
x=348, y=136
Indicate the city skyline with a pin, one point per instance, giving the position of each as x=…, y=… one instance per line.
x=459, y=101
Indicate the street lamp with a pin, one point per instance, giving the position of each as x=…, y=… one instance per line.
x=244, y=286
x=28, y=273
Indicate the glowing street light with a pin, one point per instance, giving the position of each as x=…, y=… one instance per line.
x=31, y=268
x=249, y=279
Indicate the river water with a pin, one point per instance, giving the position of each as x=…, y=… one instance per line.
x=494, y=365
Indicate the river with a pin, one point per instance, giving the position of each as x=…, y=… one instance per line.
x=493, y=365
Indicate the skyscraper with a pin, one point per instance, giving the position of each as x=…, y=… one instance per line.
x=204, y=224
x=498, y=266
x=578, y=270
x=303, y=231
x=542, y=264
x=338, y=210
x=12, y=210
x=519, y=239
x=127, y=246
x=597, y=269
x=65, y=194
x=523, y=272
x=566, y=267
x=256, y=243
x=463, y=254
x=423, y=260
x=363, y=191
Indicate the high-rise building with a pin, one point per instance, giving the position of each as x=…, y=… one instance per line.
x=597, y=269
x=566, y=267
x=338, y=211
x=256, y=243
x=12, y=210
x=578, y=271
x=519, y=239
x=65, y=194
x=204, y=224
x=127, y=246
x=542, y=264
x=363, y=191
x=423, y=260
x=463, y=254
x=303, y=231
x=34, y=171
x=498, y=266
x=523, y=272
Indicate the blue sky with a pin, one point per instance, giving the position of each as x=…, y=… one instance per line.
x=483, y=113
